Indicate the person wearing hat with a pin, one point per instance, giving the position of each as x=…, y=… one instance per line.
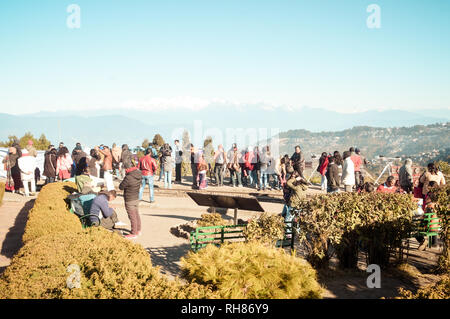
x=30, y=148
x=27, y=166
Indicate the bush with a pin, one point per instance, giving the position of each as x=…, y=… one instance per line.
x=266, y=229
x=376, y=222
x=213, y=219
x=2, y=192
x=442, y=209
x=440, y=290
x=251, y=270
x=50, y=213
x=110, y=267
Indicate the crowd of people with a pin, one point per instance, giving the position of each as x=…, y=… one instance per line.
x=253, y=167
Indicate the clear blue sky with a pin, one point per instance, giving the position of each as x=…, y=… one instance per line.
x=278, y=52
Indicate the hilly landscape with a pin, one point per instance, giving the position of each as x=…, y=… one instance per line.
x=422, y=143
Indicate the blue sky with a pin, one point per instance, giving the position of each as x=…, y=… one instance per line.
x=192, y=53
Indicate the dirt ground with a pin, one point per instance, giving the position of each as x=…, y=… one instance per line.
x=173, y=207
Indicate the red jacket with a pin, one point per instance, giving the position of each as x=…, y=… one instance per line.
x=323, y=167
x=384, y=189
x=147, y=165
x=356, y=159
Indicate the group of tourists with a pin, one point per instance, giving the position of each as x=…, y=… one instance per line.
x=93, y=172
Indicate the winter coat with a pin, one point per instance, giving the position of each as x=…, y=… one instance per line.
x=131, y=184
x=323, y=164
x=50, y=164
x=147, y=165
x=27, y=166
x=100, y=207
x=356, y=159
x=348, y=172
x=127, y=157
x=297, y=192
x=333, y=178
x=64, y=163
x=405, y=174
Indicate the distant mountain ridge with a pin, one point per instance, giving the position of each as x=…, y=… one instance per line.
x=132, y=126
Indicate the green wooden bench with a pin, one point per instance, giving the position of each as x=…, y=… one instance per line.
x=217, y=235
x=428, y=227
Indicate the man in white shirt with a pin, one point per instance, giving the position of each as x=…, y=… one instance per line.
x=27, y=166
x=348, y=172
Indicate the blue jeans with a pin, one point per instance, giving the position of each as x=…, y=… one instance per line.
x=264, y=179
x=287, y=213
x=145, y=180
x=168, y=179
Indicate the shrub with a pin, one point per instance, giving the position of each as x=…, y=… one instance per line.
x=110, y=267
x=375, y=221
x=266, y=229
x=213, y=219
x=251, y=270
x=2, y=192
x=440, y=290
x=442, y=209
x=50, y=213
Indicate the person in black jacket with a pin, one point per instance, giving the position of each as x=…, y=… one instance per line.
x=131, y=185
x=298, y=160
x=50, y=165
x=333, y=178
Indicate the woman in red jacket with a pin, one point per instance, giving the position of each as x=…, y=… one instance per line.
x=322, y=169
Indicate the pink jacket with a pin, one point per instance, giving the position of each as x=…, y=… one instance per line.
x=64, y=163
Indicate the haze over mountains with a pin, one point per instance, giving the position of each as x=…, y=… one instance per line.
x=133, y=126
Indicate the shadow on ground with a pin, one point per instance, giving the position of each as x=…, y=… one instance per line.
x=13, y=239
x=168, y=258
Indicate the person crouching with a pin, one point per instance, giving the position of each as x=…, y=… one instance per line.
x=100, y=207
x=131, y=185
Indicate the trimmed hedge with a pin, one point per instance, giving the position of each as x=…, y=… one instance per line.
x=251, y=270
x=2, y=192
x=110, y=267
x=50, y=213
x=374, y=222
x=442, y=209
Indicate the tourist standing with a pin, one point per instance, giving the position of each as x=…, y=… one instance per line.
x=148, y=167
x=348, y=172
x=50, y=159
x=405, y=176
x=167, y=164
x=131, y=185
x=233, y=160
x=107, y=167
x=332, y=174
x=64, y=164
x=298, y=160
x=178, y=161
x=322, y=169
x=219, y=162
x=27, y=166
